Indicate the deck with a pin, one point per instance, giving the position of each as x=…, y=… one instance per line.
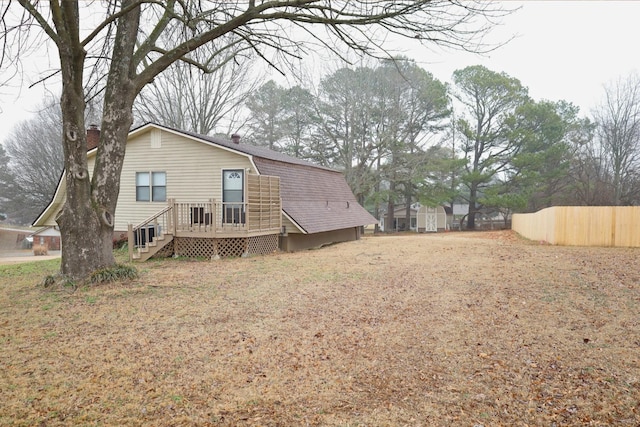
x=213, y=228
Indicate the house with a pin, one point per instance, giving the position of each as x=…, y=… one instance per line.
x=48, y=237
x=485, y=219
x=400, y=222
x=422, y=219
x=199, y=196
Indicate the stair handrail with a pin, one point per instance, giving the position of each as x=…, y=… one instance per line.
x=152, y=217
x=132, y=230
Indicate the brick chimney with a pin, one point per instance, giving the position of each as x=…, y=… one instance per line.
x=235, y=138
x=93, y=137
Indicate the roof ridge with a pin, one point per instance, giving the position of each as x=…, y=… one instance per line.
x=252, y=150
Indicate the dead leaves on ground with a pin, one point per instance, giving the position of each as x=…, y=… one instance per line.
x=456, y=329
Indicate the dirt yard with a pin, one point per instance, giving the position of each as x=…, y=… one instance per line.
x=454, y=329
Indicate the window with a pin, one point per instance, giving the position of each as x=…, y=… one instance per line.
x=232, y=186
x=158, y=187
x=151, y=186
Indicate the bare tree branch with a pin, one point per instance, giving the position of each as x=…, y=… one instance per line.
x=117, y=47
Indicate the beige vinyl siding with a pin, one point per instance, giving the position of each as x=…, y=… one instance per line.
x=193, y=172
x=50, y=232
x=291, y=227
x=49, y=218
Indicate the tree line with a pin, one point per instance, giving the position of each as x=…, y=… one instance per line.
x=118, y=50
x=399, y=135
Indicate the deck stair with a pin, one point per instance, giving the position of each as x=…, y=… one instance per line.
x=150, y=236
x=199, y=227
x=149, y=249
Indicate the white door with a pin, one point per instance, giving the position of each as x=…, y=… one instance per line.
x=233, y=196
x=431, y=220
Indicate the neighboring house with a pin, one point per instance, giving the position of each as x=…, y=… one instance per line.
x=486, y=218
x=460, y=210
x=400, y=222
x=193, y=195
x=423, y=219
x=47, y=236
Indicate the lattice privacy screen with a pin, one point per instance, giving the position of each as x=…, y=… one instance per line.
x=262, y=245
x=192, y=247
x=165, y=252
x=236, y=246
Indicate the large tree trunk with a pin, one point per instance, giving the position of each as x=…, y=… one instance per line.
x=473, y=197
x=389, y=224
x=407, y=207
x=87, y=218
x=376, y=206
x=82, y=234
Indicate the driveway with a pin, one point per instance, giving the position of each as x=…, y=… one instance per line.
x=26, y=255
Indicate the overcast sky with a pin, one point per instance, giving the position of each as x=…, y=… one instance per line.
x=562, y=50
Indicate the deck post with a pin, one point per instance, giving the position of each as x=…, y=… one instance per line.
x=170, y=216
x=130, y=241
x=214, y=220
x=174, y=216
x=247, y=225
x=245, y=201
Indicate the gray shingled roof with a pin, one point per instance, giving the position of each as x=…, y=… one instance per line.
x=253, y=150
x=316, y=198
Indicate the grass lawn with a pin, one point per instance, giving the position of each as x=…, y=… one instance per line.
x=418, y=330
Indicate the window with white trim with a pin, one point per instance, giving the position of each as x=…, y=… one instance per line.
x=151, y=187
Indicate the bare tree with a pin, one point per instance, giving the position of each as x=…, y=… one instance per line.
x=590, y=176
x=186, y=98
x=618, y=128
x=36, y=161
x=124, y=45
x=8, y=187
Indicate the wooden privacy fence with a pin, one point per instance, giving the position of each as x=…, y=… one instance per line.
x=582, y=225
x=264, y=207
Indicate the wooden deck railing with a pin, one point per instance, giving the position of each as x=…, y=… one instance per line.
x=151, y=228
x=261, y=213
